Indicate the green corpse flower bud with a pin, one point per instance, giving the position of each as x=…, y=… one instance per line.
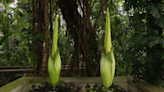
x=107, y=62
x=54, y=61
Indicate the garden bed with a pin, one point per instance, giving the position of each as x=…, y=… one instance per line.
x=24, y=84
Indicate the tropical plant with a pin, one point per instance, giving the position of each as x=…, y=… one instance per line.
x=16, y=47
x=107, y=63
x=81, y=38
x=3, y=39
x=145, y=51
x=54, y=61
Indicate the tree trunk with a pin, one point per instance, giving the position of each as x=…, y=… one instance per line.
x=79, y=26
x=41, y=12
x=46, y=35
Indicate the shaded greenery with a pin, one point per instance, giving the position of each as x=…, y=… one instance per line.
x=137, y=35
x=18, y=47
x=145, y=51
x=15, y=47
x=5, y=37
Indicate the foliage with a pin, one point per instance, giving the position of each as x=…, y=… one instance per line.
x=16, y=47
x=120, y=32
x=54, y=61
x=5, y=37
x=145, y=51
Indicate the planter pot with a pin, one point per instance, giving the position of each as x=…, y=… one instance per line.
x=24, y=84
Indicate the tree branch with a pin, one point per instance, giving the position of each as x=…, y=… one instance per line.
x=99, y=14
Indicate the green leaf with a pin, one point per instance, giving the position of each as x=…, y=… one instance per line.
x=22, y=11
x=5, y=37
x=155, y=9
x=69, y=48
x=160, y=22
x=154, y=42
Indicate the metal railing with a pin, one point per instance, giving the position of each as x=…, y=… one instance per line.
x=10, y=73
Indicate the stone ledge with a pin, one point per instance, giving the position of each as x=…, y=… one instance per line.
x=23, y=83
x=15, y=85
x=145, y=86
x=125, y=82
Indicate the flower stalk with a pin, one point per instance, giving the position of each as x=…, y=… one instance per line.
x=54, y=61
x=107, y=62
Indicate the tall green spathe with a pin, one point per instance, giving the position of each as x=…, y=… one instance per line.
x=107, y=62
x=54, y=61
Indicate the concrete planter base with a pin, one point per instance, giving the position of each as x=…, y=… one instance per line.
x=24, y=84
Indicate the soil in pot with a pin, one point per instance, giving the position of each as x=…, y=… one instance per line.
x=71, y=87
x=97, y=88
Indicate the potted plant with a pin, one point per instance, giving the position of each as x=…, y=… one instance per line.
x=107, y=63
